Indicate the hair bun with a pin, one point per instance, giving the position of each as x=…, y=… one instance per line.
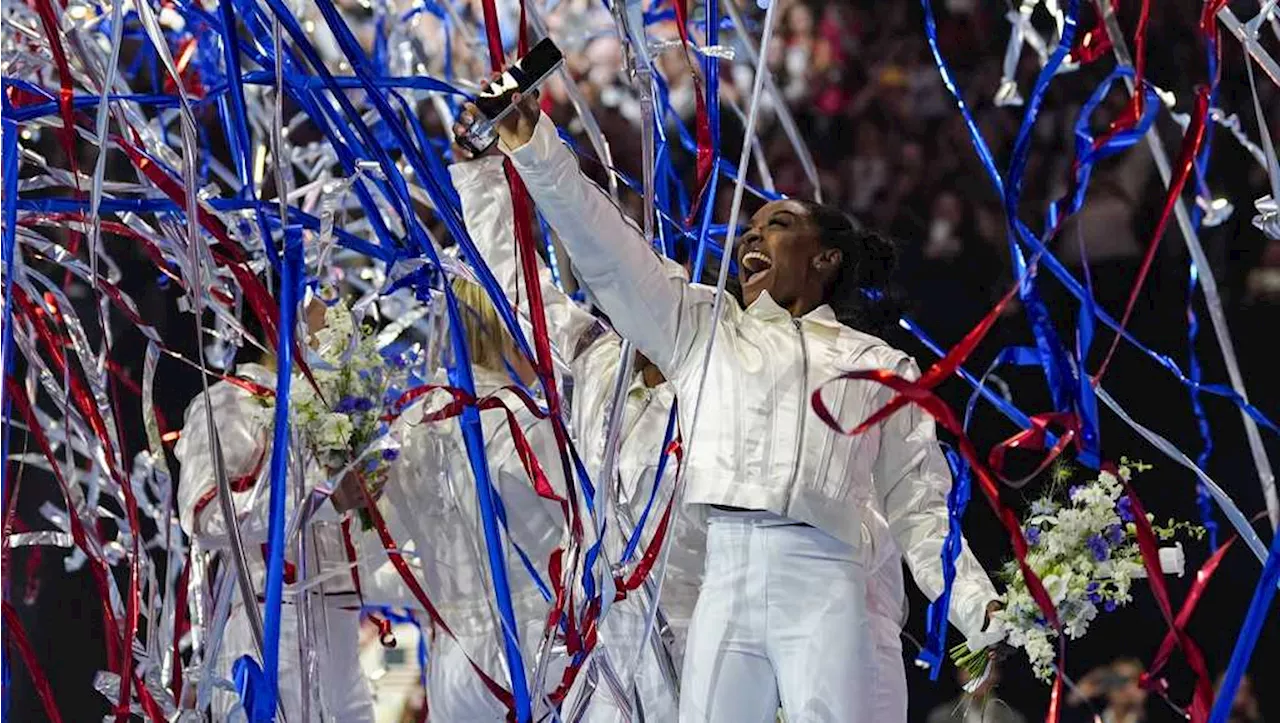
x=879, y=259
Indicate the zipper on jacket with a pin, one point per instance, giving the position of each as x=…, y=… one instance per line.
x=804, y=394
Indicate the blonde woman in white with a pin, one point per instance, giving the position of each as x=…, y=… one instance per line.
x=430, y=496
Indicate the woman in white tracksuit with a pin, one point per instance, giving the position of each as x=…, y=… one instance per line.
x=487, y=210
x=245, y=438
x=591, y=350
x=431, y=496
x=782, y=615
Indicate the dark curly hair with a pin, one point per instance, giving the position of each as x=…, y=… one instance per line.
x=862, y=293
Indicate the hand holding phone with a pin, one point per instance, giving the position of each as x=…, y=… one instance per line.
x=498, y=98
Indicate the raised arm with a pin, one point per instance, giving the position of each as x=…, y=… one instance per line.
x=913, y=481
x=647, y=298
x=487, y=212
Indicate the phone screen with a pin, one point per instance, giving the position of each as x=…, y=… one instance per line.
x=525, y=75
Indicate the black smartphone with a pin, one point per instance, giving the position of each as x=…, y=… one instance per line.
x=494, y=100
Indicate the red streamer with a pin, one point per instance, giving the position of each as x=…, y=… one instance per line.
x=1202, y=700
x=1186, y=159
x=921, y=394
x=702, y=122
x=19, y=638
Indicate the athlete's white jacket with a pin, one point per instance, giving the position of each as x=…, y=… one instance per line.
x=591, y=350
x=758, y=444
x=431, y=497
x=245, y=434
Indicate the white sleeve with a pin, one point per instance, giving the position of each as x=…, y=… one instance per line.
x=913, y=481
x=488, y=214
x=243, y=454
x=648, y=299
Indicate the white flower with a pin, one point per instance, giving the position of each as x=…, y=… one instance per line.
x=1056, y=586
x=334, y=432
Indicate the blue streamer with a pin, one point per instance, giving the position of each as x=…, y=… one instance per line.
x=1259, y=607
x=8, y=246
x=957, y=501
x=262, y=693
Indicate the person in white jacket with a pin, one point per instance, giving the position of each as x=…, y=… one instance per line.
x=781, y=617
x=592, y=353
x=430, y=496
x=487, y=211
x=245, y=435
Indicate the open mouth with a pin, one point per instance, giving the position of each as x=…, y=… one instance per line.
x=755, y=266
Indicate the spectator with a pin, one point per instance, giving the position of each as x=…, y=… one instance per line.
x=1117, y=684
x=1245, y=707
x=980, y=706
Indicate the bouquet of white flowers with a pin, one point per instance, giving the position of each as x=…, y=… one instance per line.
x=340, y=418
x=1084, y=548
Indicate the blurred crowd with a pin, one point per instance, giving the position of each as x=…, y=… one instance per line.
x=891, y=147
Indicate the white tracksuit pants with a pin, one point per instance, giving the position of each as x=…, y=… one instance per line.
x=781, y=618
x=456, y=692
x=623, y=634
x=344, y=692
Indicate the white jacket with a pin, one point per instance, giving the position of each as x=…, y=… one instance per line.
x=593, y=355
x=592, y=352
x=245, y=434
x=430, y=497
x=759, y=445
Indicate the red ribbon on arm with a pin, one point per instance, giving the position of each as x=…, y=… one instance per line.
x=920, y=393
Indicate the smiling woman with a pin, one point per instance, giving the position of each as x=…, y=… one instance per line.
x=806, y=254
x=782, y=614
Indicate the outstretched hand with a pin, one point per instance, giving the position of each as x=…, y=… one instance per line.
x=516, y=129
x=462, y=153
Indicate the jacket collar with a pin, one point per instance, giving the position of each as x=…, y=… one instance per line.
x=765, y=308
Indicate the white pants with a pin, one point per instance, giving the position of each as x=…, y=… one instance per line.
x=781, y=618
x=456, y=692
x=623, y=634
x=343, y=690
x=888, y=681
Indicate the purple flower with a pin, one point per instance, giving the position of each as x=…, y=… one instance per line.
x=390, y=455
x=400, y=361
x=1098, y=546
x=1094, y=596
x=1114, y=535
x=346, y=405
x=1109, y=606
x=1033, y=535
x=1075, y=490
x=363, y=404
x=1124, y=508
